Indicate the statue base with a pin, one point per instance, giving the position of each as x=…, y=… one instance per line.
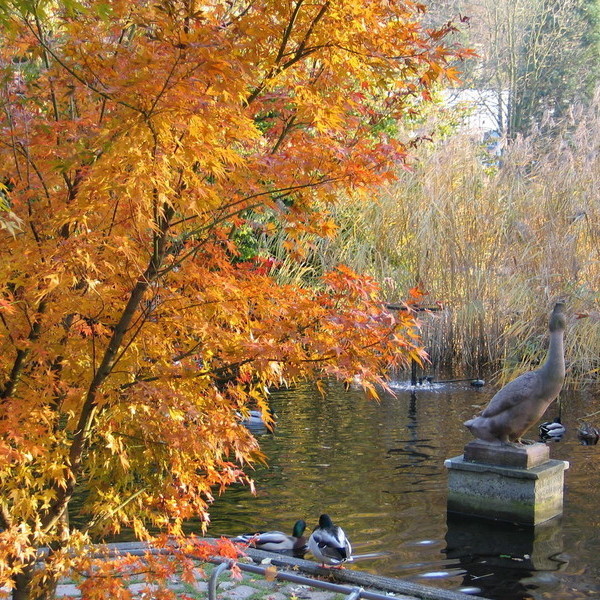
x=506, y=482
x=522, y=456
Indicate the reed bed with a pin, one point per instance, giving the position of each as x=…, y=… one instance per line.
x=495, y=244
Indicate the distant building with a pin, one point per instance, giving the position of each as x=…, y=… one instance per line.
x=486, y=110
x=485, y=114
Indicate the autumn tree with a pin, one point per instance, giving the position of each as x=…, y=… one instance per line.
x=136, y=139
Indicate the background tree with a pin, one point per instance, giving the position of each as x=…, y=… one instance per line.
x=558, y=65
x=136, y=141
x=538, y=57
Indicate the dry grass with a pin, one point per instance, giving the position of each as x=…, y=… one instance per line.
x=498, y=246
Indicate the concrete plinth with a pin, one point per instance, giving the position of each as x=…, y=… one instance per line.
x=506, y=493
x=524, y=456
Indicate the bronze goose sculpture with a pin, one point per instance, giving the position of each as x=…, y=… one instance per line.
x=516, y=407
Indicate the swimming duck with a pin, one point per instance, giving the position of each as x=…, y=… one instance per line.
x=329, y=544
x=256, y=423
x=552, y=431
x=521, y=402
x=588, y=434
x=277, y=541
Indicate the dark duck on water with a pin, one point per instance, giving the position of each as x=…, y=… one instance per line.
x=552, y=431
x=519, y=405
x=588, y=435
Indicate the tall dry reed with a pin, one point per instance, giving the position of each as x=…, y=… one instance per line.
x=497, y=245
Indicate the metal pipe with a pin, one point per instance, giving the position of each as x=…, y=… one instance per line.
x=355, y=594
x=413, y=372
x=352, y=592
x=212, y=582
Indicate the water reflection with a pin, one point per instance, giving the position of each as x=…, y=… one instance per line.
x=500, y=559
x=377, y=469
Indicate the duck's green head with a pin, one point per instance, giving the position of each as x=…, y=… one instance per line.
x=299, y=527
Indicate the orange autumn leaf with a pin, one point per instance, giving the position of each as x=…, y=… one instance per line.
x=417, y=293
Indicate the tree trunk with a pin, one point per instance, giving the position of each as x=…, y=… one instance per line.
x=23, y=581
x=23, y=586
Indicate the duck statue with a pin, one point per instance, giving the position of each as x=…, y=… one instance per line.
x=277, y=541
x=329, y=544
x=516, y=407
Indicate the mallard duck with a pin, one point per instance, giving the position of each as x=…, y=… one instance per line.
x=588, y=434
x=277, y=541
x=520, y=403
x=255, y=422
x=329, y=544
x=254, y=419
x=552, y=431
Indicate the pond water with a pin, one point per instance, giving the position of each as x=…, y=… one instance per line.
x=378, y=470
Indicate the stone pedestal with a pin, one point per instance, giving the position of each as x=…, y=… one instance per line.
x=522, y=456
x=511, y=483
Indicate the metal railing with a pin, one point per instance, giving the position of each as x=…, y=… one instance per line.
x=352, y=593
x=408, y=590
